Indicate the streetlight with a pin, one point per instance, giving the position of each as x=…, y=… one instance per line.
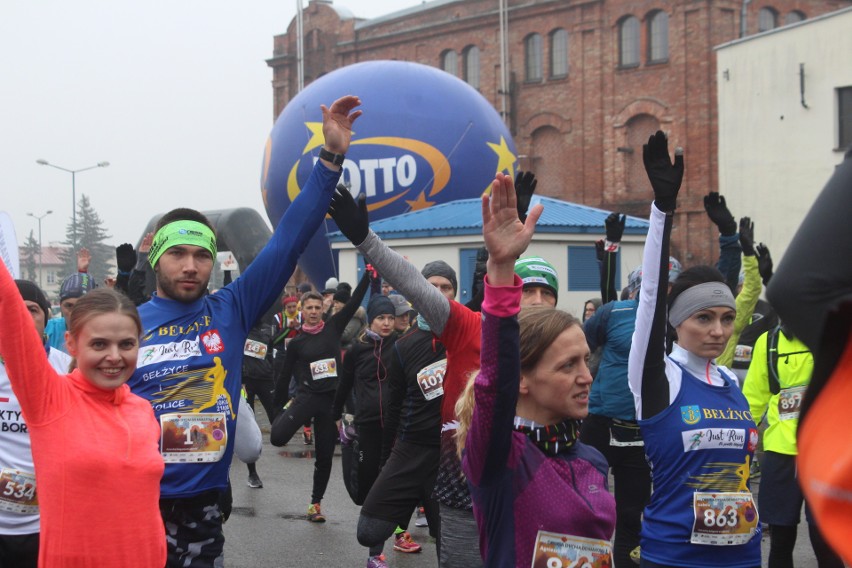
x=73, y=173
x=40, y=250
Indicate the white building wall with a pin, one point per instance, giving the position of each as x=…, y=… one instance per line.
x=553, y=248
x=775, y=155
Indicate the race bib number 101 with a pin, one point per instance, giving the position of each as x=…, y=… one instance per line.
x=431, y=379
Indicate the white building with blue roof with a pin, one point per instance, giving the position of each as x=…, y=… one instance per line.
x=452, y=232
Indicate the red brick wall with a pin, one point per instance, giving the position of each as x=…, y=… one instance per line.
x=580, y=134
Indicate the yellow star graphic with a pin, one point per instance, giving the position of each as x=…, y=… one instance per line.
x=505, y=158
x=420, y=202
x=317, y=138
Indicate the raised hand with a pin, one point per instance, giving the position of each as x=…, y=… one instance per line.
x=125, y=257
x=84, y=257
x=337, y=123
x=147, y=241
x=717, y=210
x=525, y=184
x=351, y=218
x=506, y=238
x=614, y=224
x=747, y=236
x=764, y=263
x=665, y=176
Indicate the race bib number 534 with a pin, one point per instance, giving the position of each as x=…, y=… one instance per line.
x=18, y=491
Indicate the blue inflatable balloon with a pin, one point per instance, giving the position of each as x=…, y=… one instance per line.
x=426, y=137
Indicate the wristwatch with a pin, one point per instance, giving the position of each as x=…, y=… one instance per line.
x=336, y=159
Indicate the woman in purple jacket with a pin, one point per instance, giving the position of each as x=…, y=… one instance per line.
x=540, y=496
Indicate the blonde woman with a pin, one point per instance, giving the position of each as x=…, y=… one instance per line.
x=540, y=496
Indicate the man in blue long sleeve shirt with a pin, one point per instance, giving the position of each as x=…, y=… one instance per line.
x=190, y=357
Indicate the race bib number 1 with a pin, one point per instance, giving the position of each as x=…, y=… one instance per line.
x=323, y=369
x=723, y=519
x=193, y=438
x=554, y=550
x=789, y=402
x=431, y=379
x=18, y=491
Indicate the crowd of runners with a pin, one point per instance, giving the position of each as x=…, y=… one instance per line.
x=498, y=424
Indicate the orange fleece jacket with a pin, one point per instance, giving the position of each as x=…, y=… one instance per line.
x=96, y=455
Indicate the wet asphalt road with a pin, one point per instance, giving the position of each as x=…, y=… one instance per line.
x=267, y=528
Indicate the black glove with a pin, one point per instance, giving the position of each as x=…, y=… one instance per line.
x=764, y=263
x=125, y=257
x=718, y=212
x=599, y=250
x=747, y=236
x=525, y=183
x=665, y=176
x=479, y=271
x=351, y=218
x=615, y=227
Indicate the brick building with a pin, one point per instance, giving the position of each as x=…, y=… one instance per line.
x=588, y=81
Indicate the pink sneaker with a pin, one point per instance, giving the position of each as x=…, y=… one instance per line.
x=404, y=543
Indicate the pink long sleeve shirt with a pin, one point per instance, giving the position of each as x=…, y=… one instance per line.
x=96, y=456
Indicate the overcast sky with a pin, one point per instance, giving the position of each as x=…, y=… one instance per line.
x=175, y=95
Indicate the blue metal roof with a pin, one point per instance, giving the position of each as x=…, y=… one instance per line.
x=464, y=217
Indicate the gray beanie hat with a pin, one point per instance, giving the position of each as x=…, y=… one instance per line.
x=441, y=268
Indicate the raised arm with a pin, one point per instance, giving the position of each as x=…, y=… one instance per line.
x=348, y=310
x=33, y=379
x=729, y=242
x=614, y=225
x=259, y=284
x=353, y=221
x=748, y=296
x=646, y=371
x=488, y=440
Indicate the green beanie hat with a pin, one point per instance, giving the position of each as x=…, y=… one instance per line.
x=535, y=271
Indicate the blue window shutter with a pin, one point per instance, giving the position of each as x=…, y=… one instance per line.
x=467, y=264
x=584, y=270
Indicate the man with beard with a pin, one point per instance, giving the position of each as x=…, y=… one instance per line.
x=191, y=352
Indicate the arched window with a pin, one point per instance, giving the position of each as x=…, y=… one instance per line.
x=635, y=176
x=767, y=19
x=470, y=55
x=628, y=42
x=658, y=37
x=450, y=62
x=558, y=53
x=532, y=57
x=793, y=17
